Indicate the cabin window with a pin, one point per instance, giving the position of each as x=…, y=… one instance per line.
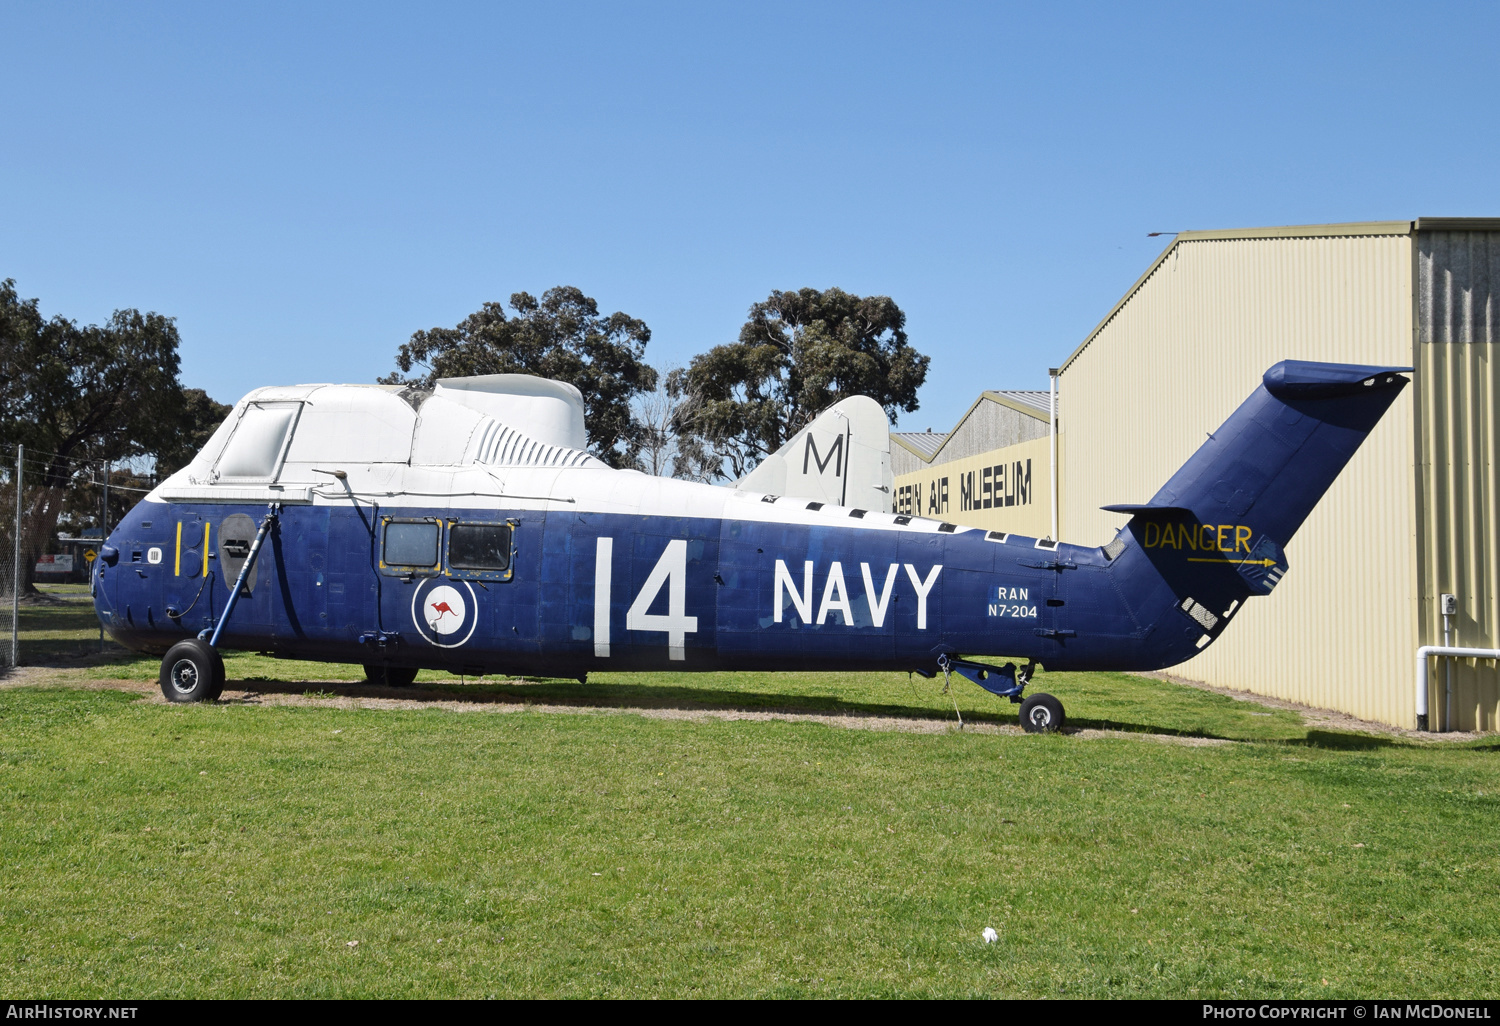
x=479, y=547
x=410, y=544
x=481, y=551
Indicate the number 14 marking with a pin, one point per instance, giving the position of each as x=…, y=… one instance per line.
x=671, y=571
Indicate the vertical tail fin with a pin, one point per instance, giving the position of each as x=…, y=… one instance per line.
x=1245, y=492
x=843, y=457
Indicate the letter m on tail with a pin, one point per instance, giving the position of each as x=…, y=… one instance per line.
x=835, y=455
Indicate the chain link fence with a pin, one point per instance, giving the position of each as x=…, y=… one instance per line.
x=9, y=578
x=49, y=537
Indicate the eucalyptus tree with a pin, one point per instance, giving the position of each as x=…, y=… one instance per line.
x=797, y=354
x=562, y=336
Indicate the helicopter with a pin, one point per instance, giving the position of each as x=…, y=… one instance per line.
x=467, y=528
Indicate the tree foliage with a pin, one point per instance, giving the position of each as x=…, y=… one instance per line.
x=87, y=393
x=799, y=353
x=562, y=336
x=76, y=396
x=200, y=418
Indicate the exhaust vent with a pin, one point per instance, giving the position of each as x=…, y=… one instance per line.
x=1207, y=620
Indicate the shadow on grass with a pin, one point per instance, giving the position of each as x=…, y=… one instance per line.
x=1126, y=727
x=570, y=693
x=68, y=654
x=657, y=696
x=1346, y=742
x=613, y=696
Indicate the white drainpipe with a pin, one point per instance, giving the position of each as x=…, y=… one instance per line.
x=1052, y=440
x=1427, y=651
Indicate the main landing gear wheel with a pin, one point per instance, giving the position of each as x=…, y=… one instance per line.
x=390, y=676
x=192, y=671
x=1041, y=714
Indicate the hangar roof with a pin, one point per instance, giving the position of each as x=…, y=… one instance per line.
x=1034, y=402
x=1294, y=231
x=923, y=443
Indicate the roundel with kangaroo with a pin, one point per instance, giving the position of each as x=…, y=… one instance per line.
x=445, y=613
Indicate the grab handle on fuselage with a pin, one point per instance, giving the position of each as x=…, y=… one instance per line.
x=273, y=513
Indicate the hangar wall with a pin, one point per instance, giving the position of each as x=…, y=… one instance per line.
x=913, y=450
x=993, y=470
x=1006, y=489
x=1458, y=324
x=1177, y=355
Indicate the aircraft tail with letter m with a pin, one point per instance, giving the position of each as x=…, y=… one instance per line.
x=843, y=457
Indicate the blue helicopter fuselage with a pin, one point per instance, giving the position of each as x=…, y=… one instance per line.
x=522, y=558
x=589, y=591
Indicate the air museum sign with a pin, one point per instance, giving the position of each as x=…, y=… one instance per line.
x=1005, y=489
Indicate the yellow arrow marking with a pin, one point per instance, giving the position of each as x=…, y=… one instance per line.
x=1244, y=562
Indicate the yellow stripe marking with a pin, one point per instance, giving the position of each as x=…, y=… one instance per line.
x=207, y=529
x=177, y=560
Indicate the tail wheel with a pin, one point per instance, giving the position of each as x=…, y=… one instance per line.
x=191, y=671
x=390, y=676
x=1042, y=714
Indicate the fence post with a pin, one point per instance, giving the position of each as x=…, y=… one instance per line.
x=15, y=582
x=103, y=537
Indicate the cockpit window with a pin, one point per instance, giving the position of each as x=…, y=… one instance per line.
x=260, y=438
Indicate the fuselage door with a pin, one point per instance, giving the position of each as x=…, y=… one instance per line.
x=298, y=554
x=236, y=535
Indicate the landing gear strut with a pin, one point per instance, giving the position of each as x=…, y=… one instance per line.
x=1040, y=713
x=193, y=670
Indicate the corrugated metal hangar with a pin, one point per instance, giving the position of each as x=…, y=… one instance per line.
x=1412, y=517
x=992, y=470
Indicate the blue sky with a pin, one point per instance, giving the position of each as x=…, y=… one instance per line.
x=303, y=186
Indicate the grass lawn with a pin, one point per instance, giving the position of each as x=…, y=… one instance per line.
x=239, y=849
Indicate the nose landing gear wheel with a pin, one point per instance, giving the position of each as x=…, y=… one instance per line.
x=1041, y=714
x=191, y=671
x=390, y=676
